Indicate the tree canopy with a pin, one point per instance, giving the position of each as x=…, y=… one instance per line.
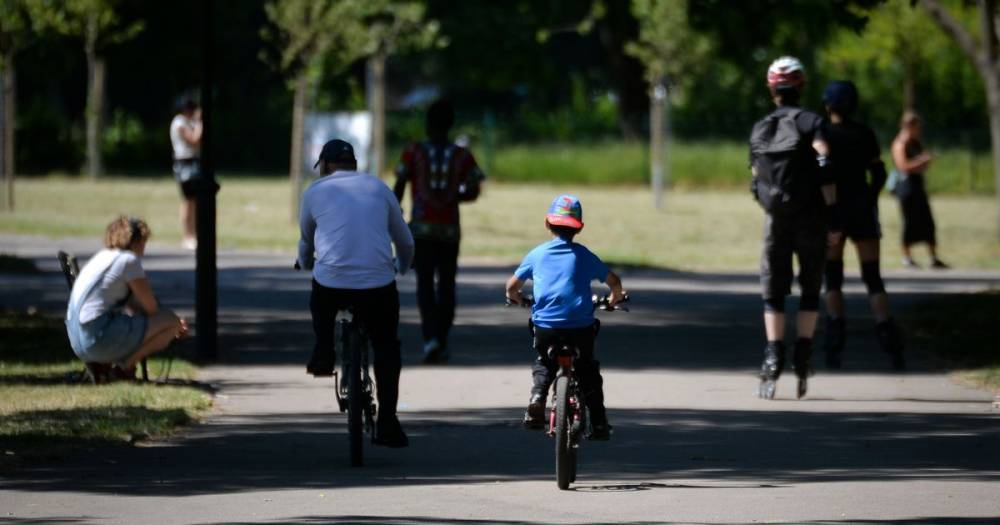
x=546, y=70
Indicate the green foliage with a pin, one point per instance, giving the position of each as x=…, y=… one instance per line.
x=95, y=21
x=398, y=25
x=902, y=44
x=15, y=27
x=311, y=34
x=667, y=45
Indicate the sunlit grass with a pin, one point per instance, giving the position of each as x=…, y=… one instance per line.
x=696, y=229
x=961, y=331
x=701, y=165
x=46, y=411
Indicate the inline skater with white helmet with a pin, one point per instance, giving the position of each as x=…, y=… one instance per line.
x=793, y=182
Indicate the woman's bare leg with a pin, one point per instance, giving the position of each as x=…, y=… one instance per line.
x=162, y=328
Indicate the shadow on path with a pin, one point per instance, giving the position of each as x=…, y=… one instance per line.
x=650, y=447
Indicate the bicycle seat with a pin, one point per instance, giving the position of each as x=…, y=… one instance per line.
x=563, y=350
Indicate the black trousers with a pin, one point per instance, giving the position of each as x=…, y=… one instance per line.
x=378, y=311
x=588, y=369
x=436, y=300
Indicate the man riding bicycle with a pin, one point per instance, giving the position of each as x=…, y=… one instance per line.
x=349, y=221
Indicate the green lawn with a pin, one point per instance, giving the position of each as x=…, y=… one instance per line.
x=961, y=331
x=697, y=165
x=45, y=413
x=696, y=230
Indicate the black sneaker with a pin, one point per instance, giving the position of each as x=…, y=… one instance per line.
x=321, y=365
x=600, y=432
x=938, y=264
x=534, y=416
x=389, y=433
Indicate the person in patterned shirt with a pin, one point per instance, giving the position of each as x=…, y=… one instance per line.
x=441, y=175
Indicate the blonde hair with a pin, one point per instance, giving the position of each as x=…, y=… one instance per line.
x=909, y=118
x=124, y=232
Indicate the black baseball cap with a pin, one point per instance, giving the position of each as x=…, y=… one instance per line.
x=336, y=151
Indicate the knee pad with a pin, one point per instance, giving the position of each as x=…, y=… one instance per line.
x=872, y=277
x=774, y=305
x=834, y=275
x=809, y=303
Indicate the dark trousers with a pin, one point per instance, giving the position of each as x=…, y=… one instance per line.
x=378, y=311
x=436, y=302
x=588, y=369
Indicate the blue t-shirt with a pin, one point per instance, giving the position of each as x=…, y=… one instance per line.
x=562, y=272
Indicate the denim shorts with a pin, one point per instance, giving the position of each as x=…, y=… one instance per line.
x=111, y=338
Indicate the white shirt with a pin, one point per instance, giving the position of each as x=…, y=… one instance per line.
x=182, y=149
x=349, y=221
x=118, y=267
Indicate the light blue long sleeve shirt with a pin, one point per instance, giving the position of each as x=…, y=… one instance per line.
x=349, y=221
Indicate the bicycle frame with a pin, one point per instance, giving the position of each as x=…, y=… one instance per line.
x=565, y=358
x=346, y=324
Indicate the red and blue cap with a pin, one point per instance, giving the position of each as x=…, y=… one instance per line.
x=565, y=210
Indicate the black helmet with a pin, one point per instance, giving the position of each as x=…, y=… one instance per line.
x=841, y=96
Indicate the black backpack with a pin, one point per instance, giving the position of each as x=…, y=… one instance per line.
x=783, y=163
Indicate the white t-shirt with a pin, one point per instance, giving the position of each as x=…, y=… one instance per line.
x=182, y=150
x=122, y=266
x=350, y=220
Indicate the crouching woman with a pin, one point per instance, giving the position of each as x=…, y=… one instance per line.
x=113, y=318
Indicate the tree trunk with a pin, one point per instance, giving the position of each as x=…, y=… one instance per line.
x=298, y=125
x=95, y=114
x=376, y=66
x=909, y=88
x=993, y=99
x=9, y=121
x=657, y=99
x=984, y=53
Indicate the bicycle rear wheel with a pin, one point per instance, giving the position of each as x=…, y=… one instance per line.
x=565, y=457
x=355, y=425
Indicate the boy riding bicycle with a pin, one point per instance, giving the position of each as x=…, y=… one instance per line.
x=563, y=312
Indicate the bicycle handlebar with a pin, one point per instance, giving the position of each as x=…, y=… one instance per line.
x=601, y=302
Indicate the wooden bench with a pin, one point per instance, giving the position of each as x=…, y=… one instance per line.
x=96, y=372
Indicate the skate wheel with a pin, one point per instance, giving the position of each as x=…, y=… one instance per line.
x=766, y=389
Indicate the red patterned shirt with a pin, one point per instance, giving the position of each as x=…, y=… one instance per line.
x=440, y=177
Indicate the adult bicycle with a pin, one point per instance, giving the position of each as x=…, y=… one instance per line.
x=353, y=386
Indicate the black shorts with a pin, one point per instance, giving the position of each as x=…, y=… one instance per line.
x=186, y=171
x=861, y=220
x=803, y=235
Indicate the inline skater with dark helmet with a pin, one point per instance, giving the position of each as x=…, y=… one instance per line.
x=854, y=151
x=793, y=182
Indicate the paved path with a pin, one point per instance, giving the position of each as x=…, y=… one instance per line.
x=691, y=444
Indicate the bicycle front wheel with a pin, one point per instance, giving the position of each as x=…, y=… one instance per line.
x=355, y=426
x=565, y=458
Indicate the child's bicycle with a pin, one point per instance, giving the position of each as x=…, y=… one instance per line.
x=353, y=387
x=568, y=421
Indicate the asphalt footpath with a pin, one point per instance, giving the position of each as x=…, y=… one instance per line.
x=691, y=442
